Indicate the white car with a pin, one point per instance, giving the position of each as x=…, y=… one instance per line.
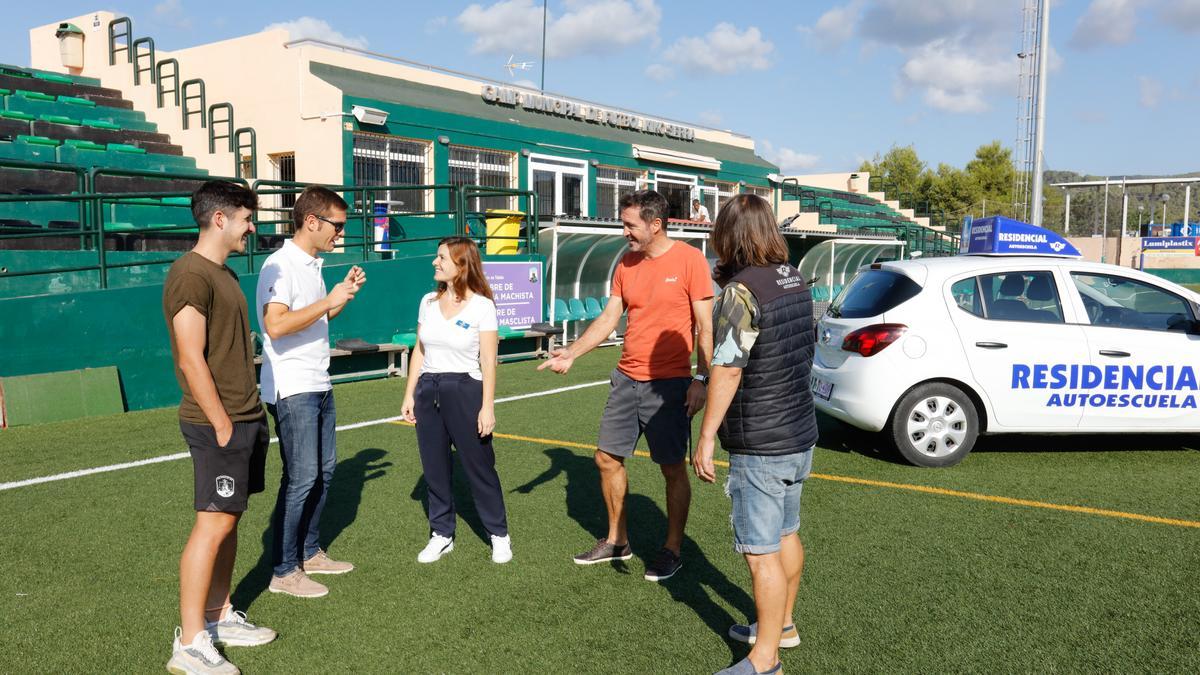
x=937, y=351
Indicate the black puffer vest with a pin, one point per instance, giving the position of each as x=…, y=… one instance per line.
x=772, y=412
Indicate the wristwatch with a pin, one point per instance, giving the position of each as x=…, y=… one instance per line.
x=702, y=379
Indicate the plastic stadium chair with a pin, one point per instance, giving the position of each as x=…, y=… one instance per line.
x=604, y=302
x=561, y=311
x=407, y=339
x=592, y=307
x=578, y=312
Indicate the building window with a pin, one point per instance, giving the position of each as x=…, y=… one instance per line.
x=764, y=192
x=391, y=161
x=611, y=185
x=486, y=168
x=715, y=195
x=285, y=170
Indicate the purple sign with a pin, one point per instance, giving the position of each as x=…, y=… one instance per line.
x=517, y=290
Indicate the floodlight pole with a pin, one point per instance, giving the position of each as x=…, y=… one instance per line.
x=1040, y=107
x=544, y=45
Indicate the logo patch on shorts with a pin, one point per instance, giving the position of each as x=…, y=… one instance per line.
x=225, y=486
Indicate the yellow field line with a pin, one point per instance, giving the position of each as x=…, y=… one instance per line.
x=944, y=492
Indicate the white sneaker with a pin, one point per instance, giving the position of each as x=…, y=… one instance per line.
x=233, y=630
x=437, y=547
x=198, y=658
x=501, y=549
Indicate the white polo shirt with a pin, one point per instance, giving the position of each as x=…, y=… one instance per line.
x=296, y=363
x=451, y=344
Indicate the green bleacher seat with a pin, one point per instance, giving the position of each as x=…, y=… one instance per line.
x=33, y=95
x=578, y=312
x=14, y=115
x=561, y=311
x=101, y=124
x=30, y=149
x=4, y=92
x=126, y=148
x=74, y=100
x=508, y=332
x=52, y=77
x=59, y=119
x=407, y=339
x=82, y=153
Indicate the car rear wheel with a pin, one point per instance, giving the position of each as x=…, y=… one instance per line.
x=935, y=425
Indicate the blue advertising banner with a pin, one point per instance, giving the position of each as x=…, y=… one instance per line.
x=1183, y=244
x=517, y=291
x=997, y=234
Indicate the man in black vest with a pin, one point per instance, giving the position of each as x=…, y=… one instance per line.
x=760, y=405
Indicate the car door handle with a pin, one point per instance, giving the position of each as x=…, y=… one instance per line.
x=1115, y=353
x=991, y=345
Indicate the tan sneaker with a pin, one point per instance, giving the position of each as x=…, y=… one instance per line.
x=321, y=563
x=298, y=584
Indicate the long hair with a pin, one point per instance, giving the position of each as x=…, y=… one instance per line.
x=465, y=255
x=746, y=235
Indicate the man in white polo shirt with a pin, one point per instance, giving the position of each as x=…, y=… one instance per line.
x=294, y=312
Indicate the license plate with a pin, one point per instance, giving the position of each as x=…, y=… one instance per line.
x=822, y=388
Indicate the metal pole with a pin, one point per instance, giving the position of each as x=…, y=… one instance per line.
x=1104, y=239
x=1040, y=104
x=544, y=45
x=1187, y=205
x=1124, y=222
x=1067, y=213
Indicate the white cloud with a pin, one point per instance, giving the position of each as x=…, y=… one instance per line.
x=957, y=79
x=710, y=118
x=586, y=27
x=1150, y=91
x=317, y=29
x=906, y=23
x=659, y=73
x=835, y=27
x=788, y=160
x=171, y=13
x=1182, y=15
x=723, y=51
x=1106, y=22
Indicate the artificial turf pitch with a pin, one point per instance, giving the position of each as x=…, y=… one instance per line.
x=896, y=579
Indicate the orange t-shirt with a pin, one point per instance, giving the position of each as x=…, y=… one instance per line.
x=658, y=294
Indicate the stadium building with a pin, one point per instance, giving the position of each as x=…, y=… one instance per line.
x=104, y=136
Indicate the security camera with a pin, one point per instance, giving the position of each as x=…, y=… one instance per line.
x=365, y=115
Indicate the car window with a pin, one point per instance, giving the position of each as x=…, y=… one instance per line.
x=1121, y=302
x=1021, y=296
x=966, y=296
x=873, y=292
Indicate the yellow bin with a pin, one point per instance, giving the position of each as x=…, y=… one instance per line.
x=504, y=224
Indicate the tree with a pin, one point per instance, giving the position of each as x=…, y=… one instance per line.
x=899, y=167
x=993, y=171
x=952, y=191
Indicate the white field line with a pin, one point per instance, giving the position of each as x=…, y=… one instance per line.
x=183, y=455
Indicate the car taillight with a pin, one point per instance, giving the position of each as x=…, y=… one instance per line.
x=871, y=340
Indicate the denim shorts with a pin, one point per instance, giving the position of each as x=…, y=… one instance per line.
x=765, y=491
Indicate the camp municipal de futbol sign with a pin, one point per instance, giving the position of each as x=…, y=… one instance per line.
x=560, y=107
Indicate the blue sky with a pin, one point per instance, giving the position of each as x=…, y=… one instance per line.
x=819, y=85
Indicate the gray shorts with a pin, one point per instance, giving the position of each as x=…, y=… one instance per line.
x=656, y=408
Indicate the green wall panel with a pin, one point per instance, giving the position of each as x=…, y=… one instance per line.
x=53, y=397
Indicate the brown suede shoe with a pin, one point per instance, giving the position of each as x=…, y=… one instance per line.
x=297, y=584
x=321, y=563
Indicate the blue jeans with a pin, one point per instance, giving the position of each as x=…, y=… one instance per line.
x=765, y=491
x=305, y=424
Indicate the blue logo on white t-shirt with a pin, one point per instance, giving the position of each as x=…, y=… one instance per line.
x=462, y=324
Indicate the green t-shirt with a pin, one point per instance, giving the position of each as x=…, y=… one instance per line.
x=213, y=290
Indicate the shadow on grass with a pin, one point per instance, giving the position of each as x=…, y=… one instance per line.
x=840, y=437
x=341, y=510
x=464, y=503
x=647, y=531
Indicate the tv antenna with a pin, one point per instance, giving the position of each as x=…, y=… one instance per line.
x=513, y=66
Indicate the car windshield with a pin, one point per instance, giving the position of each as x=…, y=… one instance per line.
x=872, y=293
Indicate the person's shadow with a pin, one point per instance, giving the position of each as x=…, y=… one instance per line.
x=464, y=502
x=647, y=531
x=341, y=510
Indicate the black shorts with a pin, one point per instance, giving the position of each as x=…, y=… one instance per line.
x=226, y=477
x=656, y=409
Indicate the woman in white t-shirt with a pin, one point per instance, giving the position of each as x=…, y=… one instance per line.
x=451, y=394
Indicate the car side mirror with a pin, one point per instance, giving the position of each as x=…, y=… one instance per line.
x=1193, y=328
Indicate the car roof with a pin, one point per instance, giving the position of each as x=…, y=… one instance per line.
x=943, y=267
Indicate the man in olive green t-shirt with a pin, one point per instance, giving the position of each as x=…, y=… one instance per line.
x=222, y=420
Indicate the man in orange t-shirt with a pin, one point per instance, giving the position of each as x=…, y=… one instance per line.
x=666, y=287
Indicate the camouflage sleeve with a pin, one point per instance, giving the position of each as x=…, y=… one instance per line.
x=735, y=327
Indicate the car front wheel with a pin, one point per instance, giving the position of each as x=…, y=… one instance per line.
x=935, y=425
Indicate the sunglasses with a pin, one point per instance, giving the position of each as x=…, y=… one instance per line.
x=337, y=226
